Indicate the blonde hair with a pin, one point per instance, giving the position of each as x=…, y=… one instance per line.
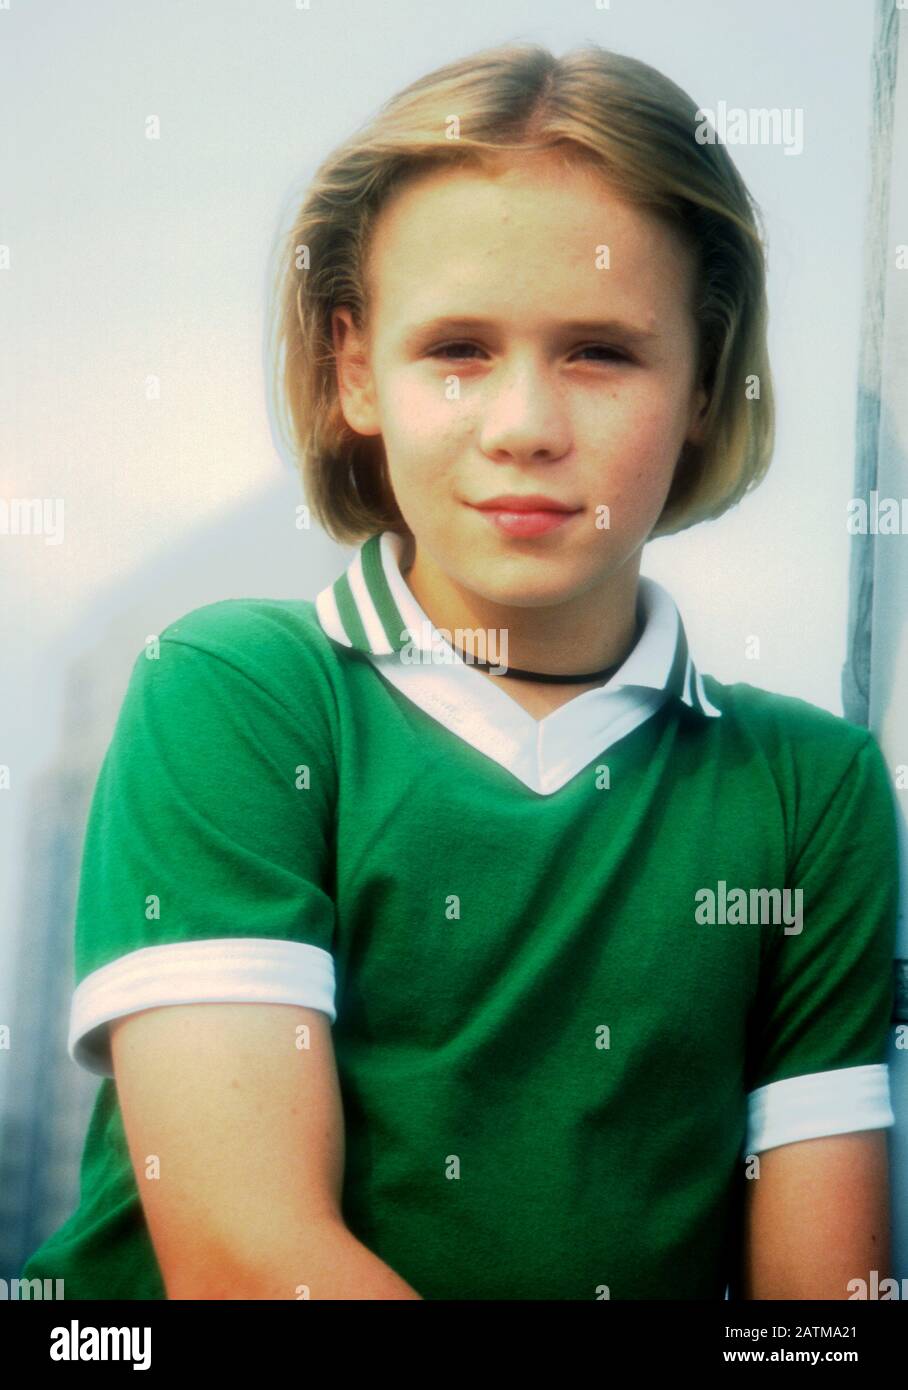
x=631, y=123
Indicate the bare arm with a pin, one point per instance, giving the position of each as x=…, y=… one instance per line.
x=247, y=1129
x=817, y=1217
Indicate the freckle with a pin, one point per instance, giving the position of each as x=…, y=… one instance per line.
x=234, y=1082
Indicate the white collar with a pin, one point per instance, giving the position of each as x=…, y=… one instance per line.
x=371, y=609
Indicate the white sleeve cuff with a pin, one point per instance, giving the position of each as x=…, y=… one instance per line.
x=820, y=1103
x=246, y=969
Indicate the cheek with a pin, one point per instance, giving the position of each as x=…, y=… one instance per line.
x=640, y=414
x=420, y=422
x=642, y=429
x=637, y=444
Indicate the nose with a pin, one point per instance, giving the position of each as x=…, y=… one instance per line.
x=525, y=415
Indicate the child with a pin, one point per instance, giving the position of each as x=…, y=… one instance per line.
x=605, y=944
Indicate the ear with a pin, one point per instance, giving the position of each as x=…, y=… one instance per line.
x=355, y=387
x=696, y=430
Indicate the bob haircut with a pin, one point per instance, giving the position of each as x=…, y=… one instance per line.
x=613, y=113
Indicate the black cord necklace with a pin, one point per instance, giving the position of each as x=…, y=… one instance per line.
x=547, y=676
x=556, y=679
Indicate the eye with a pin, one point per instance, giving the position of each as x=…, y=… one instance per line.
x=451, y=349
x=615, y=354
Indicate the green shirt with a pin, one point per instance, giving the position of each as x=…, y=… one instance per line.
x=576, y=968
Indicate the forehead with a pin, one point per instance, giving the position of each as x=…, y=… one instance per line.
x=529, y=233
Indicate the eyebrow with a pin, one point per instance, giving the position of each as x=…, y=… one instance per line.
x=609, y=328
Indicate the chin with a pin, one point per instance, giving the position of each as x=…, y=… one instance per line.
x=535, y=591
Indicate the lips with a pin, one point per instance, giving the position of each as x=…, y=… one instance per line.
x=528, y=519
x=533, y=502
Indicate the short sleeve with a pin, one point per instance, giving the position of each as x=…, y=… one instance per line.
x=206, y=869
x=818, y=1035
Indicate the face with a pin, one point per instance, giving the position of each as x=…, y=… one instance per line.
x=505, y=356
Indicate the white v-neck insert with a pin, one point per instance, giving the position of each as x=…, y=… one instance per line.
x=544, y=754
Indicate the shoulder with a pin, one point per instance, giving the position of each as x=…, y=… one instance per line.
x=228, y=670
x=277, y=645
x=814, y=757
x=239, y=627
x=786, y=725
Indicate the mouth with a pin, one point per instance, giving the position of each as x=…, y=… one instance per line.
x=526, y=517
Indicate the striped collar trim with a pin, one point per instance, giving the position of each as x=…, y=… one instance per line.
x=370, y=608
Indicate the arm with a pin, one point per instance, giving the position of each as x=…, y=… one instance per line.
x=248, y=1131
x=817, y=1217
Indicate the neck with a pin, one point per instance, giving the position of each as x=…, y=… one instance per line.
x=586, y=633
